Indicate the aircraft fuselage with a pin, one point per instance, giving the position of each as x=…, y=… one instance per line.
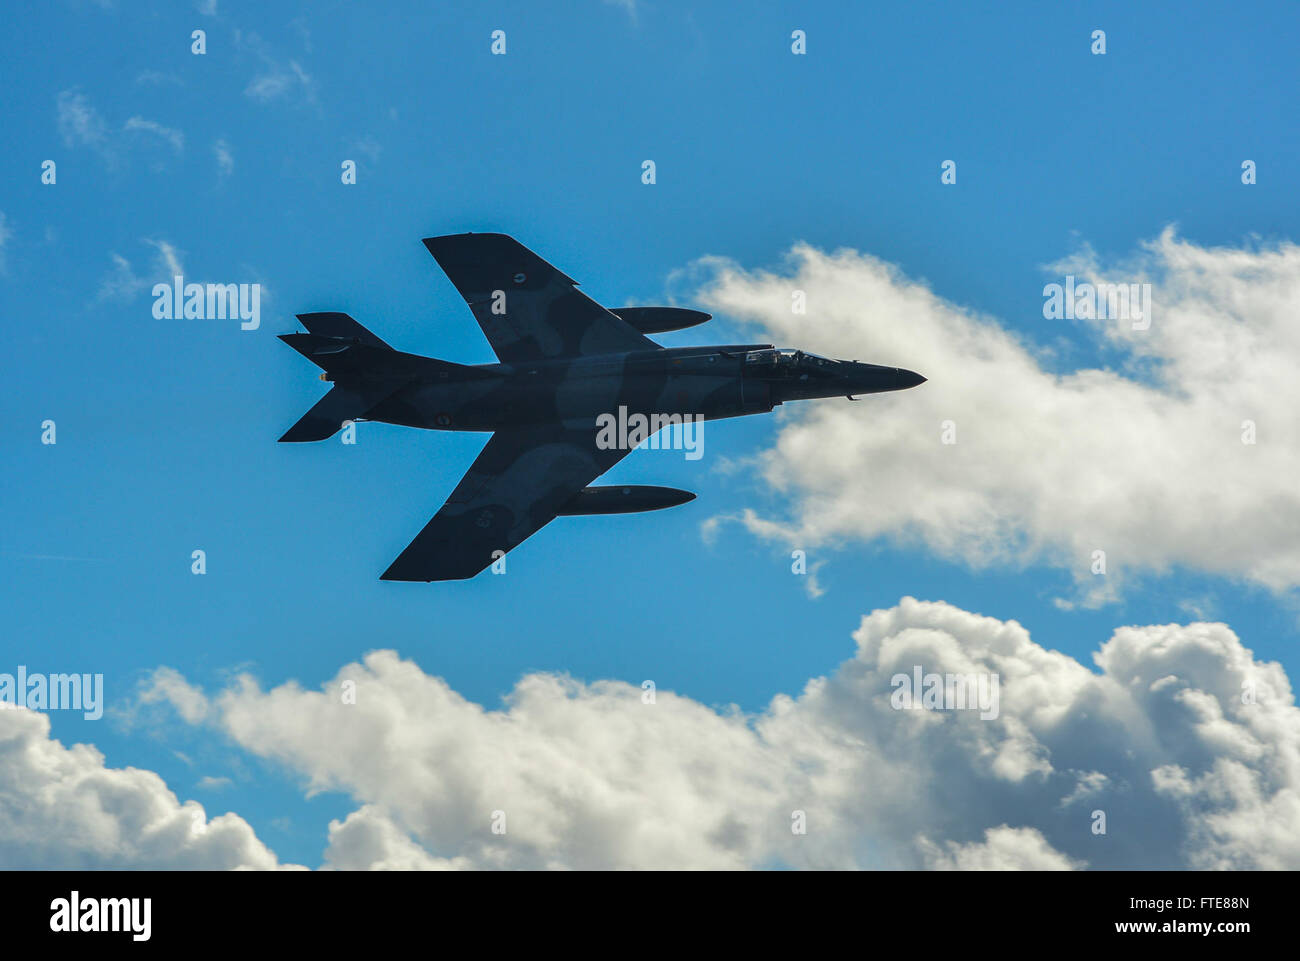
x=703, y=382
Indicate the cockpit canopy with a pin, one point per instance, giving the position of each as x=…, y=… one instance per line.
x=786, y=358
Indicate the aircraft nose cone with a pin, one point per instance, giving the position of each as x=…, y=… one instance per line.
x=907, y=378
x=874, y=379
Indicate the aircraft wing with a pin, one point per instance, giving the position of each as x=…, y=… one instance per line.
x=529, y=310
x=515, y=487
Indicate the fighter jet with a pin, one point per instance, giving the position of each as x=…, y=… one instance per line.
x=564, y=362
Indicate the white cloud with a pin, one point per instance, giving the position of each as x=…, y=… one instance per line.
x=168, y=256
x=5, y=234
x=1003, y=849
x=368, y=841
x=225, y=159
x=268, y=86
x=61, y=808
x=157, y=77
x=1186, y=772
x=628, y=6
x=369, y=146
x=174, y=137
x=80, y=124
x=169, y=686
x=122, y=283
x=278, y=79
x=1149, y=467
x=278, y=82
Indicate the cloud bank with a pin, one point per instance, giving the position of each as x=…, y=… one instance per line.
x=62, y=809
x=1187, y=747
x=1146, y=463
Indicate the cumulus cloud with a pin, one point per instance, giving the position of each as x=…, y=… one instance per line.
x=367, y=840
x=1185, y=745
x=62, y=808
x=1146, y=463
x=1003, y=849
x=169, y=686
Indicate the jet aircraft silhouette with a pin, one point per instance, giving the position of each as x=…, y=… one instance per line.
x=564, y=362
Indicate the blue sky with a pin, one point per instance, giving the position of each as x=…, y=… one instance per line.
x=167, y=429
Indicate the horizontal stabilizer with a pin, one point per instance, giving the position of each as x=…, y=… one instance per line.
x=331, y=323
x=339, y=405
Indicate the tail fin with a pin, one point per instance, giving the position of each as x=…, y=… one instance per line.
x=365, y=371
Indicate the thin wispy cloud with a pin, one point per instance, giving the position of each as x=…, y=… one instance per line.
x=156, y=78
x=225, y=159
x=168, y=134
x=54, y=557
x=628, y=6
x=168, y=256
x=370, y=147
x=122, y=283
x=278, y=79
x=80, y=124
x=5, y=234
